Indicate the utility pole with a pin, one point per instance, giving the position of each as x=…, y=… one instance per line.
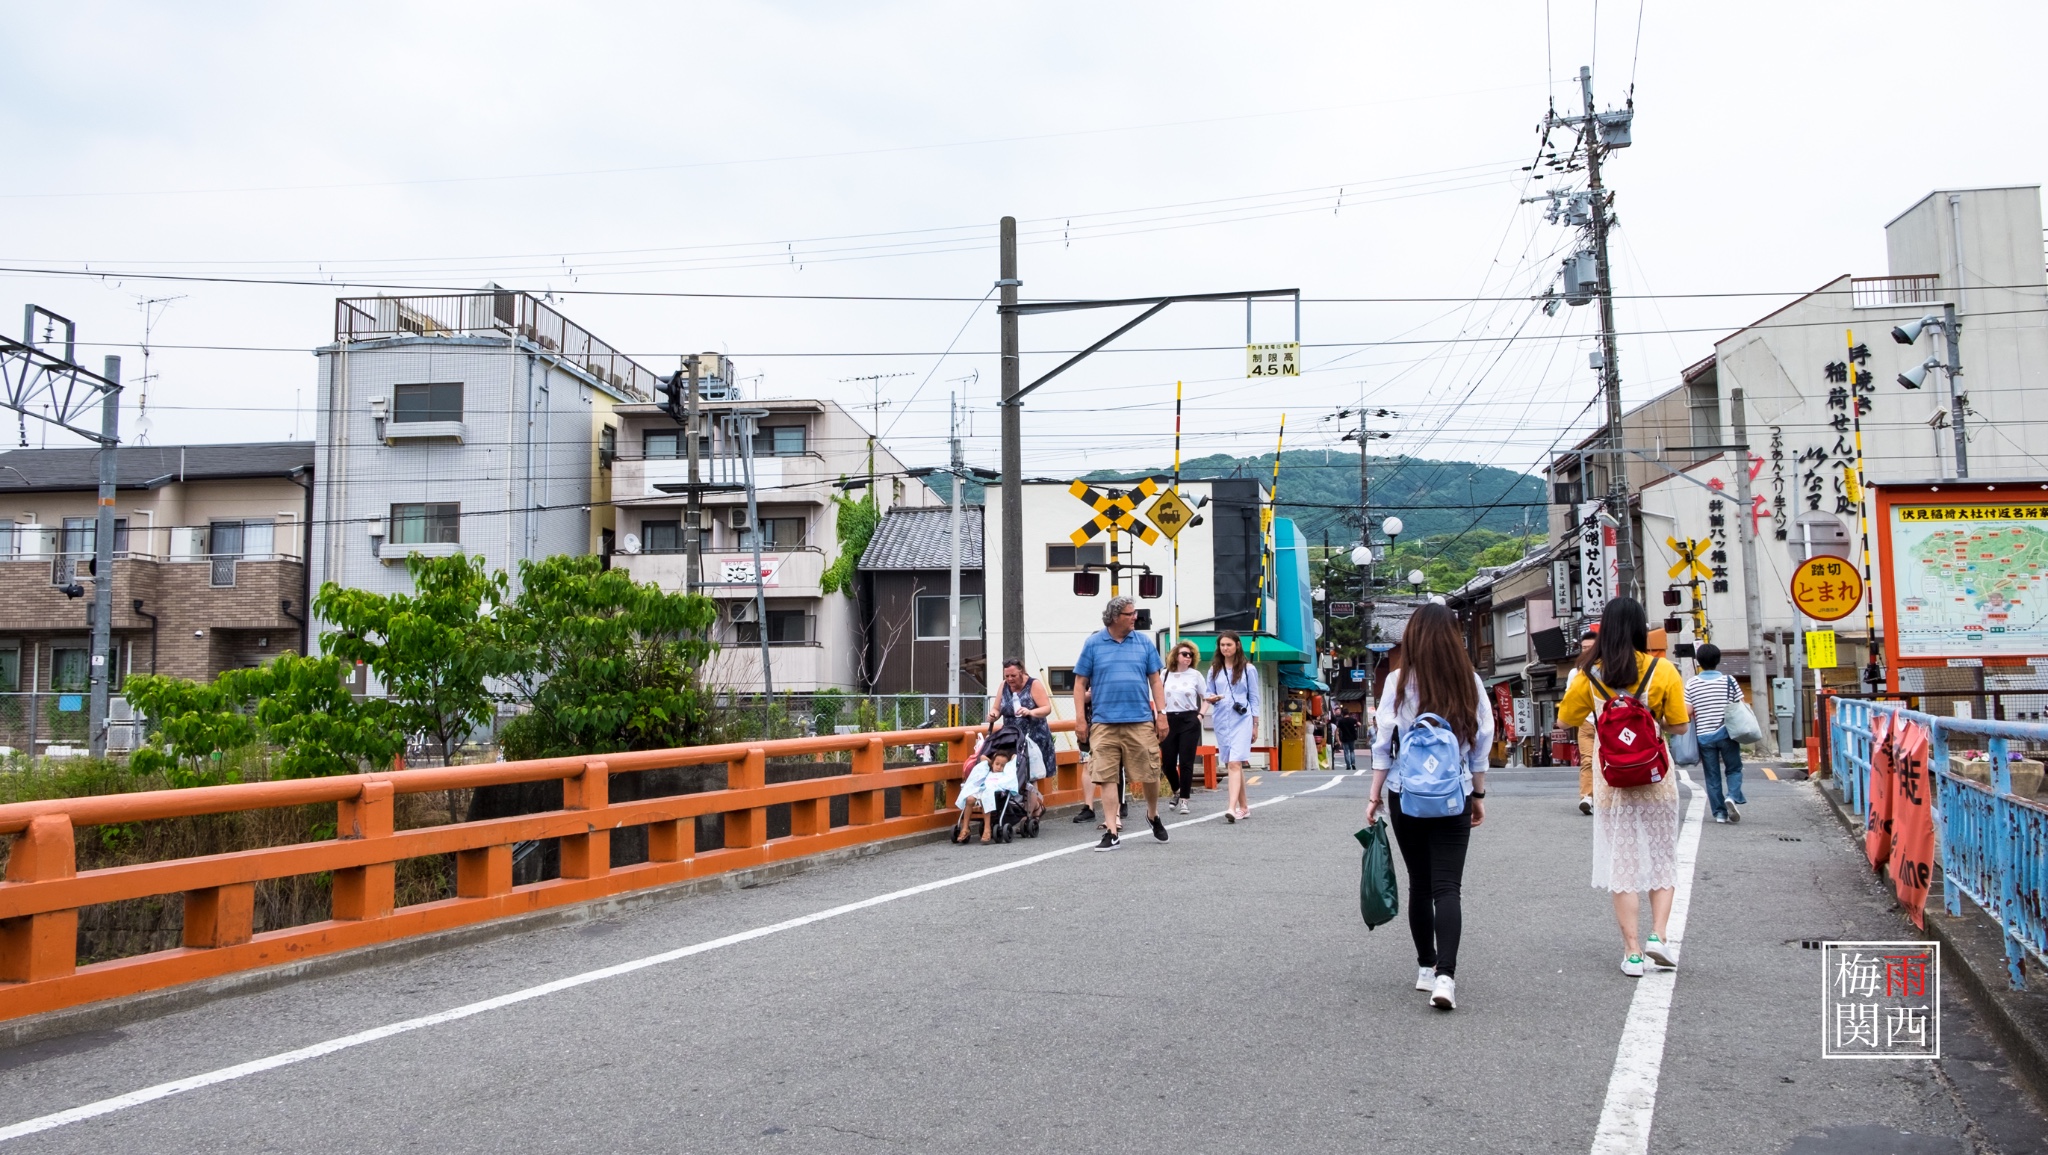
x=1752, y=594
x=693, y=516
x=1013, y=453
x=1958, y=401
x=1610, y=370
x=743, y=422
x=103, y=560
x=953, y=596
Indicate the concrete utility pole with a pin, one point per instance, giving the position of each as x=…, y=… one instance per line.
x=953, y=596
x=1957, y=399
x=1610, y=371
x=103, y=560
x=693, y=514
x=1013, y=456
x=743, y=423
x=1752, y=595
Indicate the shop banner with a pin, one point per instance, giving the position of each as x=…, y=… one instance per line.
x=1877, y=818
x=1912, y=815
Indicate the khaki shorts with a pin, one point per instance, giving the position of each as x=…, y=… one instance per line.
x=1132, y=747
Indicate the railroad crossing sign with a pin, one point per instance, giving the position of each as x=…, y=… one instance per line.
x=1690, y=552
x=1120, y=512
x=1826, y=588
x=1170, y=513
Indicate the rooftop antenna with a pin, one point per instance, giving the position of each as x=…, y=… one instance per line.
x=152, y=311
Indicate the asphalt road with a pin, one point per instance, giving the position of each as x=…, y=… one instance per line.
x=1214, y=993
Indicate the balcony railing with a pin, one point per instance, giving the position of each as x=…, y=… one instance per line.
x=492, y=314
x=1889, y=292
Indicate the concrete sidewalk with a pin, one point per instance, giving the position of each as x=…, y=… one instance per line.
x=1216, y=992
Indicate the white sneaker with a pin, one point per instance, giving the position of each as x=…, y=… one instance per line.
x=1445, y=996
x=1585, y=804
x=1425, y=979
x=1632, y=966
x=1721, y=818
x=1664, y=954
x=1734, y=815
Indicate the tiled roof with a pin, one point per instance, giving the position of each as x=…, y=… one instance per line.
x=147, y=466
x=919, y=539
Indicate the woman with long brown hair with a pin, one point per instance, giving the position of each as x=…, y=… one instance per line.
x=1233, y=699
x=1433, y=690
x=1184, y=691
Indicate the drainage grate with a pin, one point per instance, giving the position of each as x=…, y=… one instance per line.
x=1788, y=838
x=1809, y=944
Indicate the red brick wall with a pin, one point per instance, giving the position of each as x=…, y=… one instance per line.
x=182, y=597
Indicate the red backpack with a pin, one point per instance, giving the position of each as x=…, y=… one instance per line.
x=1632, y=751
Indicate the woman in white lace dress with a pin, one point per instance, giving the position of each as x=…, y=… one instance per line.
x=1635, y=829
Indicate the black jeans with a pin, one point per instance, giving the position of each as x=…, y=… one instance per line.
x=1433, y=849
x=1177, y=753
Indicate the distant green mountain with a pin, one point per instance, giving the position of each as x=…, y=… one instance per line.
x=1319, y=490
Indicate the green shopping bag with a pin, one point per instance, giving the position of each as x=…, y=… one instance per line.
x=1379, y=896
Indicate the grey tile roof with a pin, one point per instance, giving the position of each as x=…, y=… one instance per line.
x=146, y=466
x=918, y=539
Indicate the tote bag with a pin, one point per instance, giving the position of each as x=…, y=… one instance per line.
x=1740, y=721
x=1379, y=897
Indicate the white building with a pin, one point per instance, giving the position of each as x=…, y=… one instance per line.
x=805, y=453
x=1977, y=249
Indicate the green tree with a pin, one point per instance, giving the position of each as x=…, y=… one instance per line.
x=855, y=524
x=190, y=727
x=319, y=727
x=435, y=650
x=603, y=662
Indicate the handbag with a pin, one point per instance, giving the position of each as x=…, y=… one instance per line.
x=1740, y=721
x=1379, y=896
x=1685, y=748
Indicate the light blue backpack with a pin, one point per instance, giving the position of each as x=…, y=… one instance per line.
x=1432, y=769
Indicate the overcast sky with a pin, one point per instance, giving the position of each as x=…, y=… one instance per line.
x=868, y=150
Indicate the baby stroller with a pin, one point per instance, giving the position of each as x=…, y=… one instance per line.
x=1006, y=809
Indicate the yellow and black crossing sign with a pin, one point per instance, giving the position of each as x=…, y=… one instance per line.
x=1120, y=512
x=1690, y=551
x=1170, y=513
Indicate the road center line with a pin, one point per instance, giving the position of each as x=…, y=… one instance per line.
x=1632, y=1089
x=287, y=1058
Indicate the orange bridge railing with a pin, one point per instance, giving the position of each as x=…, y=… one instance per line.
x=43, y=889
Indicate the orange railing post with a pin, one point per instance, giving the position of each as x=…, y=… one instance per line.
x=587, y=855
x=1208, y=754
x=483, y=873
x=363, y=892
x=864, y=807
x=217, y=916
x=749, y=827
x=40, y=946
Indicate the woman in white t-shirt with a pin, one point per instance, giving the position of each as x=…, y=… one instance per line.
x=1184, y=690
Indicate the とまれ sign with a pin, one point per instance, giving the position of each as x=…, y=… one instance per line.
x=1277, y=360
x=1826, y=588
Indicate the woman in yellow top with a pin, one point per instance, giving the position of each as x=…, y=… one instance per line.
x=1635, y=829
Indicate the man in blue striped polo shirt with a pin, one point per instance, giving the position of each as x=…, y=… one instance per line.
x=1125, y=716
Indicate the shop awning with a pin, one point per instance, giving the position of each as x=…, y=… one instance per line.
x=1295, y=677
x=1262, y=648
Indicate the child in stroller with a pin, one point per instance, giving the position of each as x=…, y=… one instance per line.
x=991, y=793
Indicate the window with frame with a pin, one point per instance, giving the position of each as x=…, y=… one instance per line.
x=10, y=668
x=80, y=536
x=1514, y=639
x=933, y=615
x=1071, y=557
x=607, y=446
x=668, y=445
x=7, y=542
x=785, y=628
x=776, y=533
x=426, y=523
x=70, y=669
x=779, y=441
x=1060, y=679
x=435, y=401
x=661, y=536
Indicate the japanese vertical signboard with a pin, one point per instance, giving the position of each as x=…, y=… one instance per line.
x=1599, y=566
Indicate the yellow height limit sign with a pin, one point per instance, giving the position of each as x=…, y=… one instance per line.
x=1826, y=588
x=1170, y=513
x=1279, y=360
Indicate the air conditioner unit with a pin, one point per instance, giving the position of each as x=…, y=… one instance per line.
x=736, y=517
x=741, y=611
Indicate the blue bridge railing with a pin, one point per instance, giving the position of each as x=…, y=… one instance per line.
x=1993, y=844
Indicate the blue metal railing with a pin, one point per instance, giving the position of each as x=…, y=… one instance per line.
x=1993, y=844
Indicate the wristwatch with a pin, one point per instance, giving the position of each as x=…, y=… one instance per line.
x=1479, y=794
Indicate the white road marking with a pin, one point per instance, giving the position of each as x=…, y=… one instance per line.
x=287, y=1058
x=1632, y=1089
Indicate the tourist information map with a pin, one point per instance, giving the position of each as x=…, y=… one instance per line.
x=1968, y=580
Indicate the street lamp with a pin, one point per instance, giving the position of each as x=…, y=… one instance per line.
x=1361, y=556
x=1417, y=579
x=1958, y=401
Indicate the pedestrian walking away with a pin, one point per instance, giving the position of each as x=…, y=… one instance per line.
x=1429, y=760
x=1707, y=696
x=1233, y=699
x=1632, y=699
x=1585, y=731
x=1023, y=705
x=1119, y=669
x=1347, y=736
x=1184, y=684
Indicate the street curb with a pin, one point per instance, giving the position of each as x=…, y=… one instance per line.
x=154, y=1004
x=1973, y=950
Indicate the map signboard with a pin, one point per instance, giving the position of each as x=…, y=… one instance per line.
x=1966, y=577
